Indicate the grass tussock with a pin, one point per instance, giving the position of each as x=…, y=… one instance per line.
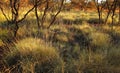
x=100, y=39
x=33, y=55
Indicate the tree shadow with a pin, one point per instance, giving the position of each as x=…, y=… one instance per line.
x=95, y=21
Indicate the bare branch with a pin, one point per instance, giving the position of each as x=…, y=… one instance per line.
x=44, y=14
x=56, y=14
x=25, y=15
x=4, y=14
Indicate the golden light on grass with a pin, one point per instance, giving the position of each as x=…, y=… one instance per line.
x=62, y=37
x=35, y=46
x=2, y=17
x=100, y=39
x=1, y=43
x=34, y=55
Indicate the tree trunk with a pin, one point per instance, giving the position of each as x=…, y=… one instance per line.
x=119, y=12
x=99, y=14
x=37, y=17
x=36, y=14
x=16, y=29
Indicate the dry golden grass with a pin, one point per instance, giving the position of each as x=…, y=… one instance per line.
x=62, y=37
x=34, y=45
x=33, y=55
x=1, y=43
x=32, y=52
x=100, y=39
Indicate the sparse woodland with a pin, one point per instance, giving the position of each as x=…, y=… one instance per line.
x=59, y=36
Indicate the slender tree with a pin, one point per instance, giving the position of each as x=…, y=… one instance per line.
x=15, y=8
x=59, y=10
x=100, y=7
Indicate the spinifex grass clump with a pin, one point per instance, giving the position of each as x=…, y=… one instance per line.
x=4, y=34
x=99, y=39
x=33, y=55
x=1, y=42
x=113, y=57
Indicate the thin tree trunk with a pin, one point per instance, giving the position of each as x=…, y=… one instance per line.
x=37, y=17
x=61, y=6
x=16, y=29
x=109, y=11
x=44, y=14
x=99, y=14
x=119, y=12
x=113, y=11
x=107, y=16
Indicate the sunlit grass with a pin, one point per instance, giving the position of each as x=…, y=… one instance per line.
x=33, y=54
x=100, y=39
x=2, y=19
x=1, y=43
x=59, y=48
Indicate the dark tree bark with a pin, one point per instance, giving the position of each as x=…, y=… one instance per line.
x=109, y=8
x=36, y=14
x=113, y=11
x=54, y=17
x=119, y=12
x=99, y=9
x=45, y=13
x=14, y=6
